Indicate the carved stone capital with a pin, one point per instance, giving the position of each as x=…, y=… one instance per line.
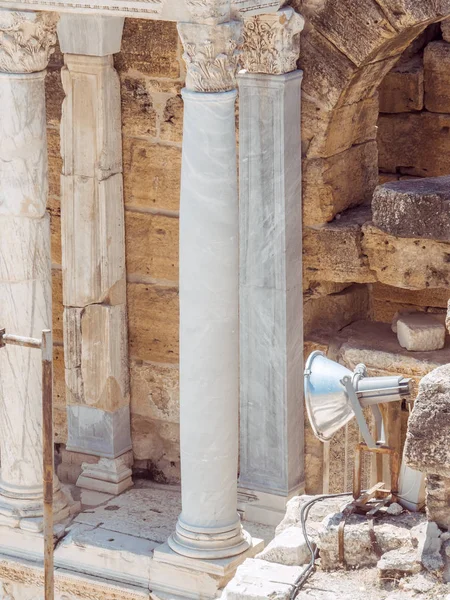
x=272, y=42
x=211, y=55
x=27, y=40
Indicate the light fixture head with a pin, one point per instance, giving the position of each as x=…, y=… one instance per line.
x=334, y=395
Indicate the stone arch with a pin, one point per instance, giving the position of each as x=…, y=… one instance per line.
x=348, y=46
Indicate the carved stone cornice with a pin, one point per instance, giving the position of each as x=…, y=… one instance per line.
x=272, y=42
x=211, y=54
x=209, y=11
x=27, y=40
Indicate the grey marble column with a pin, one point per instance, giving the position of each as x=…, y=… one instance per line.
x=209, y=526
x=271, y=304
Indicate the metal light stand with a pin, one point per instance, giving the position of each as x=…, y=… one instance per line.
x=46, y=346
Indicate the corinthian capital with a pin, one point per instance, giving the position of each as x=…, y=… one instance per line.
x=27, y=40
x=272, y=42
x=211, y=55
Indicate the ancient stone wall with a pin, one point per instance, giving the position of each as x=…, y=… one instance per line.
x=151, y=74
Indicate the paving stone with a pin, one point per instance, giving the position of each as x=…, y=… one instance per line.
x=420, y=332
x=414, y=208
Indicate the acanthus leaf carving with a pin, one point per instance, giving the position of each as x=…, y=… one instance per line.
x=211, y=54
x=27, y=39
x=272, y=42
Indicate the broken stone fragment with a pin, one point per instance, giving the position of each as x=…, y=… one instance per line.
x=288, y=548
x=438, y=500
x=427, y=446
x=420, y=332
x=395, y=509
x=258, y=580
x=421, y=583
x=414, y=208
x=426, y=538
x=398, y=563
x=392, y=533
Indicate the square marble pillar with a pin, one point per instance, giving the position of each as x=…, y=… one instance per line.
x=271, y=304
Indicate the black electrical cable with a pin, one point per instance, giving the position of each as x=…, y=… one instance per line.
x=309, y=569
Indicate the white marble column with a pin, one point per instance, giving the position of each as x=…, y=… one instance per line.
x=93, y=243
x=271, y=303
x=209, y=526
x=25, y=263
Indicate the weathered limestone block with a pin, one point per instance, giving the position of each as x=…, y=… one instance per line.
x=151, y=48
x=155, y=392
x=153, y=321
x=427, y=442
x=406, y=262
x=337, y=310
x=402, y=89
x=414, y=143
x=426, y=538
x=438, y=500
x=399, y=563
x=333, y=252
x=433, y=297
x=158, y=257
x=416, y=208
x=392, y=533
x=258, y=580
x=151, y=175
x=445, y=29
x=325, y=134
x=420, y=332
x=331, y=185
x=288, y=548
x=436, y=60
x=355, y=37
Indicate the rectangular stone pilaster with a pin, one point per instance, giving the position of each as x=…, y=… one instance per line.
x=93, y=249
x=271, y=338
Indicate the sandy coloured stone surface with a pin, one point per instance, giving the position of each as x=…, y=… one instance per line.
x=402, y=89
x=436, y=68
x=427, y=443
x=415, y=208
x=420, y=332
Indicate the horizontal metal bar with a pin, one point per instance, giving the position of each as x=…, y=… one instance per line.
x=17, y=340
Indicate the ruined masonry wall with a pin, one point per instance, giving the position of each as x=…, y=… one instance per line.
x=151, y=74
x=414, y=141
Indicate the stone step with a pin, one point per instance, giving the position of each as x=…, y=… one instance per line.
x=414, y=208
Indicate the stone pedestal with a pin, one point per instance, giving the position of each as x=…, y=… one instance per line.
x=271, y=301
x=25, y=266
x=94, y=277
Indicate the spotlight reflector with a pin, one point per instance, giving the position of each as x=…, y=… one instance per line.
x=334, y=395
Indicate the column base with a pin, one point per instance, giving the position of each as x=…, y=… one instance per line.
x=261, y=507
x=26, y=513
x=109, y=475
x=194, y=542
x=173, y=575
